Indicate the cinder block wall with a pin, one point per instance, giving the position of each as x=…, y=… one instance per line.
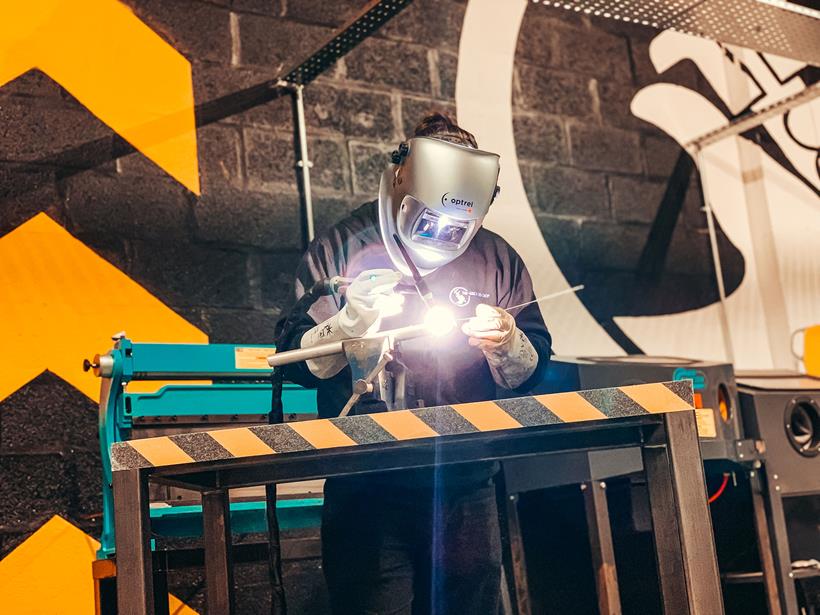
x=225, y=260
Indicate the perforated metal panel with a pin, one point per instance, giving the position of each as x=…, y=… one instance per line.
x=770, y=26
x=370, y=19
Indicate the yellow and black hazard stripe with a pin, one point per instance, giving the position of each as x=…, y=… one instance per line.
x=484, y=416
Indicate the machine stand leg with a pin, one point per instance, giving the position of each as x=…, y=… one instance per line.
x=216, y=534
x=779, y=536
x=515, y=565
x=764, y=546
x=278, y=604
x=162, y=606
x=682, y=527
x=135, y=579
x=601, y=548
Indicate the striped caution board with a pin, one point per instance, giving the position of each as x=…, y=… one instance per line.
x=402, y=425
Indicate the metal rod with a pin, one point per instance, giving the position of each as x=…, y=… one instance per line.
x=713, y=243
x=566, y=291
x=303, y=164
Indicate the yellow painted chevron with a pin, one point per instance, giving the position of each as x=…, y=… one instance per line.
x=51, y=573
x=116, y=66
x=60, y=302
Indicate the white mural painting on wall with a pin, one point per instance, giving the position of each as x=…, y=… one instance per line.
x=770, y=213
x=484, y=103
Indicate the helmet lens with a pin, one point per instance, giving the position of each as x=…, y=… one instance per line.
x=440, y=232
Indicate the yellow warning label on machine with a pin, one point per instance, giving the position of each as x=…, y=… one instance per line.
x=705, y=418
x=252, y=358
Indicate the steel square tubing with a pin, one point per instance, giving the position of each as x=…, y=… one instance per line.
x=681, y=521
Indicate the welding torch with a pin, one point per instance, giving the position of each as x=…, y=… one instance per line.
x=431, y=326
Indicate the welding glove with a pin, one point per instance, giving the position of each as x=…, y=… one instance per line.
x=370, y=296
x=510, y=354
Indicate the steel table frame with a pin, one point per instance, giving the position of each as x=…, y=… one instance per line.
x=684, y=546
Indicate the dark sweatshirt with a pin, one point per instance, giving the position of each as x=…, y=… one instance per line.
x=445, y=370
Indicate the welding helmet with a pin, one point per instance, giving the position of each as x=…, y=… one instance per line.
x=434, y=198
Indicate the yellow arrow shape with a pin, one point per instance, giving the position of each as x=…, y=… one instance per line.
x=60, y=302
x=116, y=66
x=50, y=572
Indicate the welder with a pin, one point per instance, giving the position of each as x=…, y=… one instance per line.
x=420, y=541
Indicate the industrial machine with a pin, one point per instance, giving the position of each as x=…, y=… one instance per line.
x=719, y=425
x=783, y=411
x=224, y=386
x=231, y=387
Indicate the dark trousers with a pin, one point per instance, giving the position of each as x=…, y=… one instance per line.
x=389, y=551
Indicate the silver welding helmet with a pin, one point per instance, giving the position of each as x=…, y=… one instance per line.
x=434, y=197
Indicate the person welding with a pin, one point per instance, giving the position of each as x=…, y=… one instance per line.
x=420, y=540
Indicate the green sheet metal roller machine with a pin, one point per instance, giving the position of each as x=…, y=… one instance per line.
x=236, y=391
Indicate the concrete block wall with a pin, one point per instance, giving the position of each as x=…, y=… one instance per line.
x=224, y=260
x=594, y=174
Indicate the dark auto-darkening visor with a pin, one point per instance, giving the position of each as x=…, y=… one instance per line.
x=438, y=231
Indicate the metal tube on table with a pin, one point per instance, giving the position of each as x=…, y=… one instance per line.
x=402, y=333
x=326, y=350
x=303, y=354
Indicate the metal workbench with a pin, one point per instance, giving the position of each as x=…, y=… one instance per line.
x=663, y=426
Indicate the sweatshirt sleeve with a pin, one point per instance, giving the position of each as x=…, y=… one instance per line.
x=319, y=262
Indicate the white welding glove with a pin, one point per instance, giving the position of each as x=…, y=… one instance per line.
x=369, y=297
x=510, y=354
